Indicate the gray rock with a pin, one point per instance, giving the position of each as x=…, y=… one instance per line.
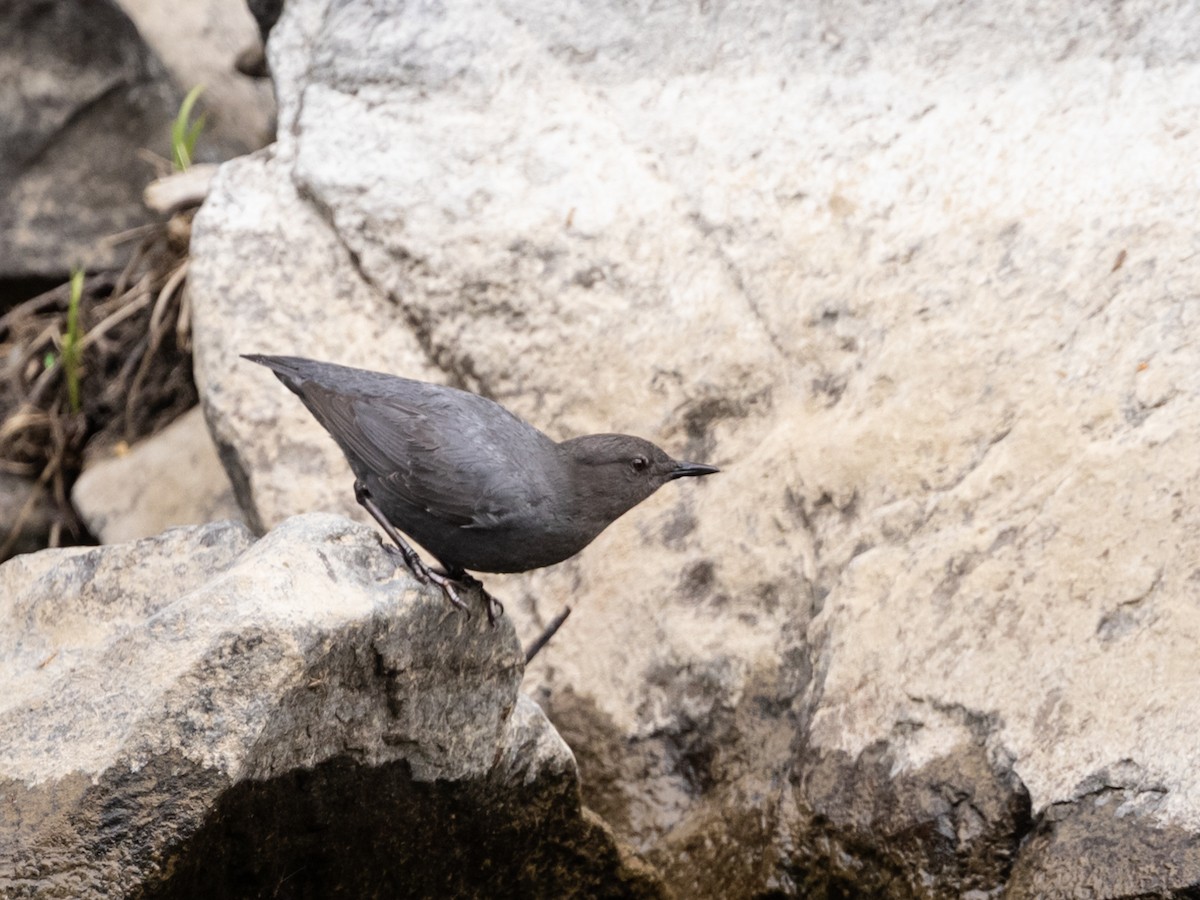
x=1107, y=843
x=172, y=478
x=15, y=494
x=916, y=279
x=198, y=714
x=84, y=94
x=81, y=96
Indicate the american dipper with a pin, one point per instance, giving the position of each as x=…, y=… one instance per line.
x=466, y=479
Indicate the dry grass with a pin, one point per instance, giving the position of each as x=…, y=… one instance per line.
x=135, y=374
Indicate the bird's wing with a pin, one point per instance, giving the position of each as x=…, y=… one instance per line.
x=435, y=458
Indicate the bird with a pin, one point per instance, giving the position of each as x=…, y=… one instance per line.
x=477, y=487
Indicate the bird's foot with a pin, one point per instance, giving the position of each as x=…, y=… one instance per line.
x=415, y=564
x=426, y=575
x=494, y=607
x=448, y=591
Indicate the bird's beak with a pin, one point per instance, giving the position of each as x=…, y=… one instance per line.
x=684, y=469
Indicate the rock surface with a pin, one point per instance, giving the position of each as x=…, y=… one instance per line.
x=198, y=714
x=80, y=96
x=84, y=96
x=172, y=478
x=23, y=503
x=918, y=279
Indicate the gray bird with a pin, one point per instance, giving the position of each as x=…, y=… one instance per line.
x=474, y=485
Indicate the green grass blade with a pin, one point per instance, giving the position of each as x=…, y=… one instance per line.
x=184, y=132
x=70, y=347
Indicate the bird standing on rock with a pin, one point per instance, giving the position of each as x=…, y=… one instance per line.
x=466, y=479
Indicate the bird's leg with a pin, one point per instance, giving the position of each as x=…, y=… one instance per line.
x=494, y=607
x=420, y=571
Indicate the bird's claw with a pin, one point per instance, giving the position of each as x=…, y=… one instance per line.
x=494, y=607
x=419, y=571
x=447, y=583
x=450, y=593
x=426, y=575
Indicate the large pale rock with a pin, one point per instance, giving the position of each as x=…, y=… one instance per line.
x=172, y=478
x=200, y=715
x=917, y=279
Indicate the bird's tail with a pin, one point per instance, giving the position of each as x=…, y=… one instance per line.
x=291, y=370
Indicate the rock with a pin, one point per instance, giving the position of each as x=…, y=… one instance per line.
x=16, y=500
x=199, y=43
x=83, y=97
x=200, y=714
x=172, y=478
x=179, y=190
x=1071, y=854
x=916, y=280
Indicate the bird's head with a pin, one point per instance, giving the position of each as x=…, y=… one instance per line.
x=612, y=473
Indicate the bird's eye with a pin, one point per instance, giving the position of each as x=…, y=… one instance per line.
x=639, y=463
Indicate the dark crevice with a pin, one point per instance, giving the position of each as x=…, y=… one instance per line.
x=342, y=829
